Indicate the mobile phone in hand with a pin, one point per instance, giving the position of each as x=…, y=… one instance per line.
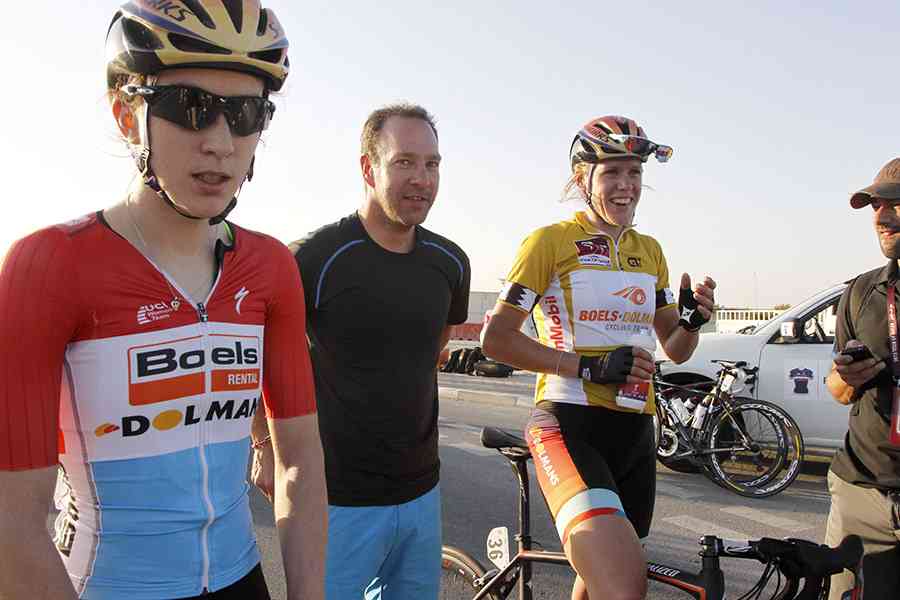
x=857, y=353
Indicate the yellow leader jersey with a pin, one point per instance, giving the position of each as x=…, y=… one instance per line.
x=590, y=293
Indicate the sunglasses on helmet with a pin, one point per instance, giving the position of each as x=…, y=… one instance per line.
x=642, y=146
x=196, y=109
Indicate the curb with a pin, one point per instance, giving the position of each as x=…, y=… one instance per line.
x=480, y=397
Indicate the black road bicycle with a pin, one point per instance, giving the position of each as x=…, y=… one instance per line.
x=751, y=447
x=790, y=561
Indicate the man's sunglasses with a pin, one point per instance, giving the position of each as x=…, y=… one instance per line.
x=196, y=109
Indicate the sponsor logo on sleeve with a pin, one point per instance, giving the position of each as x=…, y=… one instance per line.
x=594, y=252
x=552, y=313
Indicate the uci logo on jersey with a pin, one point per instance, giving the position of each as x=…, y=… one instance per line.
x=177, y=369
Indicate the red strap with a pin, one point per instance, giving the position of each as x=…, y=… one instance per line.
x=893, y=339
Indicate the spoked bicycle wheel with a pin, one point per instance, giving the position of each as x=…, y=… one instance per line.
x=460, y=575
x=757, y=448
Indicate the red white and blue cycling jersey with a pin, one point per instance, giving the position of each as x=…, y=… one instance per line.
x=146, y=400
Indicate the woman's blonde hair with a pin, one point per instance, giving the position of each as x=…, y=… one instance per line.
x=574, y=188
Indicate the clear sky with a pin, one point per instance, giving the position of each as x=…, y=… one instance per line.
x=776, y=110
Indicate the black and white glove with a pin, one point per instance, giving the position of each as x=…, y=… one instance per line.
x=689, y=317
x=612, y=367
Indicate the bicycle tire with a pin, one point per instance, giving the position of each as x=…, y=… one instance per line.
x=459, y=573
x=796, y=447
x=769, y=463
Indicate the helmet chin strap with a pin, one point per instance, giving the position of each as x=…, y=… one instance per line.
x=590, y=202
x=142, y=159
x=589, y=195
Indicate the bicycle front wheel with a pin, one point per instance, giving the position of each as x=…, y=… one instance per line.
x=756, y=448
x=460, y=575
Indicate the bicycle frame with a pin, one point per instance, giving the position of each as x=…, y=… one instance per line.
x=719, y=401
x=707, y=584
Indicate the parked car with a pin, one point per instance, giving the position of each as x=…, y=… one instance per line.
x=794, y=354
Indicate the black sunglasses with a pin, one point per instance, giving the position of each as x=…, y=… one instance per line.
x=196, y=109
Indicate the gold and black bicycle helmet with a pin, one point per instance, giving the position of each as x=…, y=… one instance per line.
x=146, y=37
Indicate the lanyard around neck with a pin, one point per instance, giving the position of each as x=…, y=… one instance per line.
x=893, y=339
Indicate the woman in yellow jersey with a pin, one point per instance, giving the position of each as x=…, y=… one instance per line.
x=600, y=295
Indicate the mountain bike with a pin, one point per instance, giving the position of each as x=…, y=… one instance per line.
x=464, y=578
x=751, y=447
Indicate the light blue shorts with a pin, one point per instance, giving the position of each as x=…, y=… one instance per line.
x=385, y=552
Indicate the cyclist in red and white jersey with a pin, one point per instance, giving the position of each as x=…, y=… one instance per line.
x=139, y=342
x=600, y=295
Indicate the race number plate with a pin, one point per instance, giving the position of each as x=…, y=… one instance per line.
x=498, y=546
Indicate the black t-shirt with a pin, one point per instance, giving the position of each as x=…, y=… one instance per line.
x=374, y=322
x=868, y=458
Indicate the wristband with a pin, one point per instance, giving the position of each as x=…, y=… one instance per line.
x=257, y=445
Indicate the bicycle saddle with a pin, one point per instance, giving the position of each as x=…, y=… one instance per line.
x=492, y=437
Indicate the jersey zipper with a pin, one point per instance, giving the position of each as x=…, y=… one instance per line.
x=615, y=242
x=201, y=449
x=203, y=316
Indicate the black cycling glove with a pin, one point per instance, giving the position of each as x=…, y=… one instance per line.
x=612, y=367
x=690, y=317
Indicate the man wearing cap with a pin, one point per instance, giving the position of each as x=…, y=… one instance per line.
x=864, y=479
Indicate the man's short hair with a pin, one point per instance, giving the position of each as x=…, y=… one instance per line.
x=376, y=120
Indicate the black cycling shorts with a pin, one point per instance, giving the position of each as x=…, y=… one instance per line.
x=250, y=587
x=593, y=461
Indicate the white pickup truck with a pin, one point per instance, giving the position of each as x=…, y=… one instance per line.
x=793, y=352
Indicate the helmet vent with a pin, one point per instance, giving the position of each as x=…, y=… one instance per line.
x=197, y=8
x=139, y=36
x=189, y=44
x=263, y=22
x=235, y=10
x=269, y=56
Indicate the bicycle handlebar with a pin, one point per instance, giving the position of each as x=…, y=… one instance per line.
x=801, y=558
x=797, y=559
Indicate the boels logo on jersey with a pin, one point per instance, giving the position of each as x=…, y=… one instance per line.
x=178, y=369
